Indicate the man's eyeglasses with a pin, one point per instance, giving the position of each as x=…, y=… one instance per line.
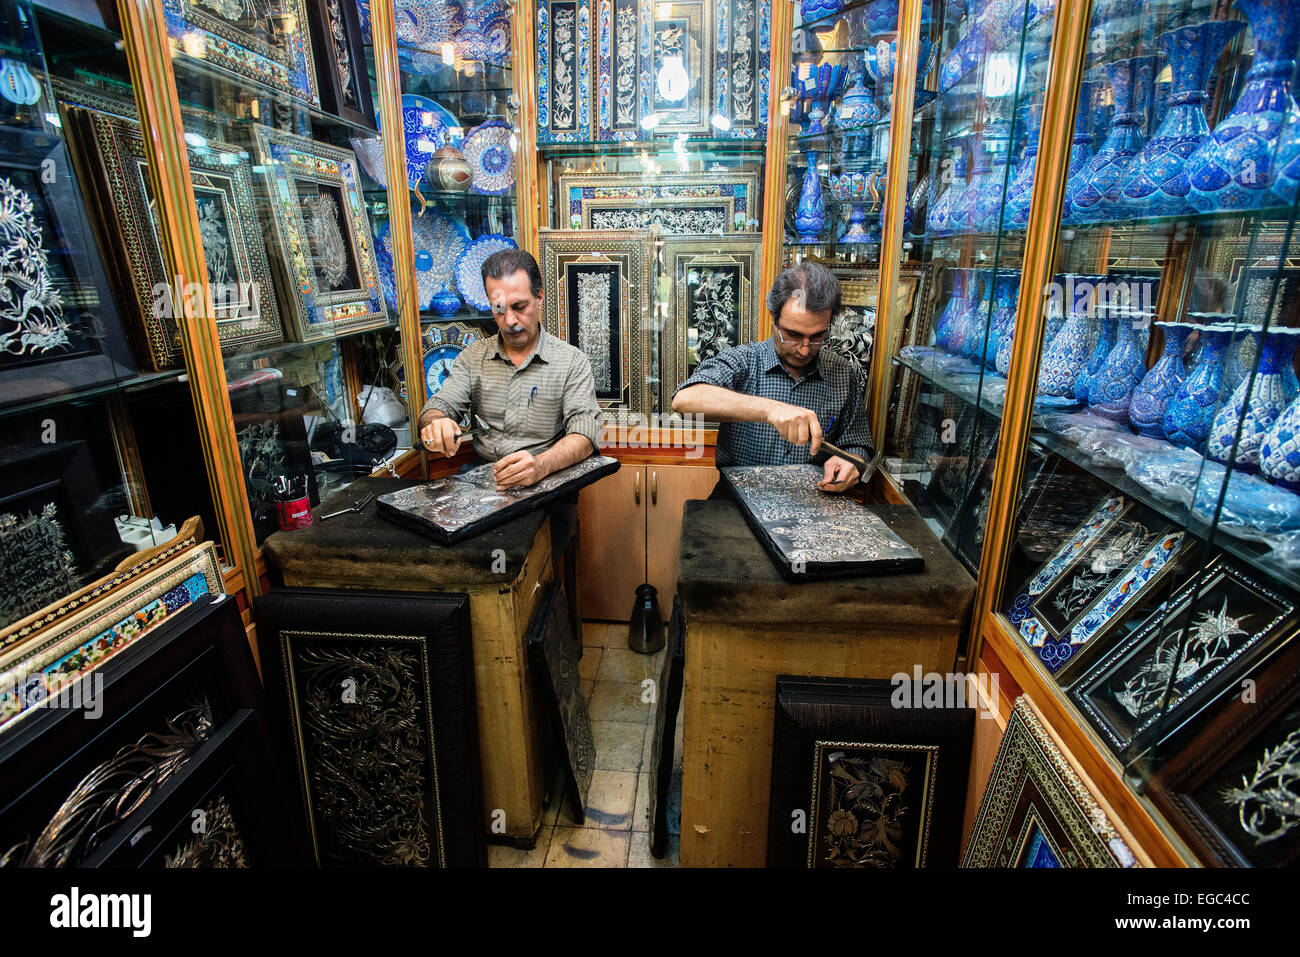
x=814, y=342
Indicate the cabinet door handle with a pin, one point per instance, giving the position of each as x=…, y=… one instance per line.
x=654, y=488
x=636, y=486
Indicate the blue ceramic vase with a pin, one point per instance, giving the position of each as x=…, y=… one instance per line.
x=1146, y=412
x=1190, y=412
x=1279, y=453
x=940, y=222
x=987, y=210
x=1255, y=405
x=1021, y=190
x=1099, y=197
x=810, y=218
x=1157, y=184
x=1236, y=166
x=810, y=10
x=1242, y=353
x=977, y=328
x=1097, y=359
x=947, y=328
x=1006, y=294
x=857, y=107
x=1080, y=151
x=1111, y=392
x=962, y=219
x=1067, y=354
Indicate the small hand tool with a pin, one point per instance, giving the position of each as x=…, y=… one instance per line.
x=356, y=507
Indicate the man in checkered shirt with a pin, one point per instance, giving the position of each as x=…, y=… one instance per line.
x=778, y=398
x=537, y=392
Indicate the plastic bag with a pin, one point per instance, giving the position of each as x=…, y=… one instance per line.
x=380, y=406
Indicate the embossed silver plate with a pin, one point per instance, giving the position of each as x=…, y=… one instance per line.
x=458, y=507
x=811, y=534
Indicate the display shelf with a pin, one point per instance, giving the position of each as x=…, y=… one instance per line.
x=694, y=148
x=290, y=348
x=831, y=18
x=136, y=383
x=428, y=318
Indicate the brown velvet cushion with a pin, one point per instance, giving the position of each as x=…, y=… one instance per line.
x=364, y=550
x=724, y=575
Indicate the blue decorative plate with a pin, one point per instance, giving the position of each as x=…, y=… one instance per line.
x=428, y=127
x=439, y=242
x=469, y=270
x=441, y=344
x=370, y=154
x=486, y=34
x=491, y=161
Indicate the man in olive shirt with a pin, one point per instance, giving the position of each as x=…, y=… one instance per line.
x=535, y=391
x=776, y=399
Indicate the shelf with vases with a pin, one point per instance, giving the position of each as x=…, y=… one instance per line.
x=985, y=390
x=472, y=316
x=823, y=15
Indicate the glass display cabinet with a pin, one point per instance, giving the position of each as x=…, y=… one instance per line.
x=204, y=319
x=1095, y=409
x=652, y=127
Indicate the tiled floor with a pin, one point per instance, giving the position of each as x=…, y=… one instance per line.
x=615, y=832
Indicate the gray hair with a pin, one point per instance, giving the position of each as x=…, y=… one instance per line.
x=507, y=262
x=816, y=283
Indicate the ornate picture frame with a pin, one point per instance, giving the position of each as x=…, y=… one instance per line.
x=324, y=245
x=1037, y=810
x=341, y=74
x=742, y=67
x=715, y=279
x=565, y=60
x=269, y=42
x=601, y=302
x=681, y=35
x=1205, y=632
x=1228, y=787
x=887, y=787
x=689, y=203
x=67, y=335
x=1093, y=581
x=413, y=796
x=441, y=344
x=63, y=648
x=112, y=158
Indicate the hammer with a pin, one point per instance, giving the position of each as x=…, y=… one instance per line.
x=864, y=467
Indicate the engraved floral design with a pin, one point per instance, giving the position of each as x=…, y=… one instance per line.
x=329, y=251
x=593, y=325
x=216, y=245
x=742, y=62
x=1209, y=641
x=220, y=844
x=342, y=58
x=678, y=220
x=625, y=79
x=563, y=93
x=38, y=567
x=31, y=309
x=1268, y=801
x=865, y=829
x=713, y=312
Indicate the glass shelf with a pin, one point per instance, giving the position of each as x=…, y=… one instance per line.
x=692, y=147
x=831, y=18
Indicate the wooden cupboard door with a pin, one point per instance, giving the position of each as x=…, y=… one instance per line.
x=670, y=487
x=612, y=523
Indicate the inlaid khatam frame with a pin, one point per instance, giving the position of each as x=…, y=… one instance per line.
x=113, y=162
x=742, y=67
x=741, y=253
x=313, y=314
x=629, y=254
x=565, y=55
x=64, y=648
x=1033, y=784
x=216, y=40
x=735, y=192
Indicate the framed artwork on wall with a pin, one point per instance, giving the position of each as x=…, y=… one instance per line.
x=689, y=203
x=111, y=157
x=341, y=74
x=1037, y=811
x=267, y=42
x=600, y=301
x=715, y=301
x=324, y=246
x=565, y=56
x=59, y=330
x=882, y=787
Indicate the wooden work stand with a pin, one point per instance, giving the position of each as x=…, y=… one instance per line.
x=502, y=571
x=745, y=625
